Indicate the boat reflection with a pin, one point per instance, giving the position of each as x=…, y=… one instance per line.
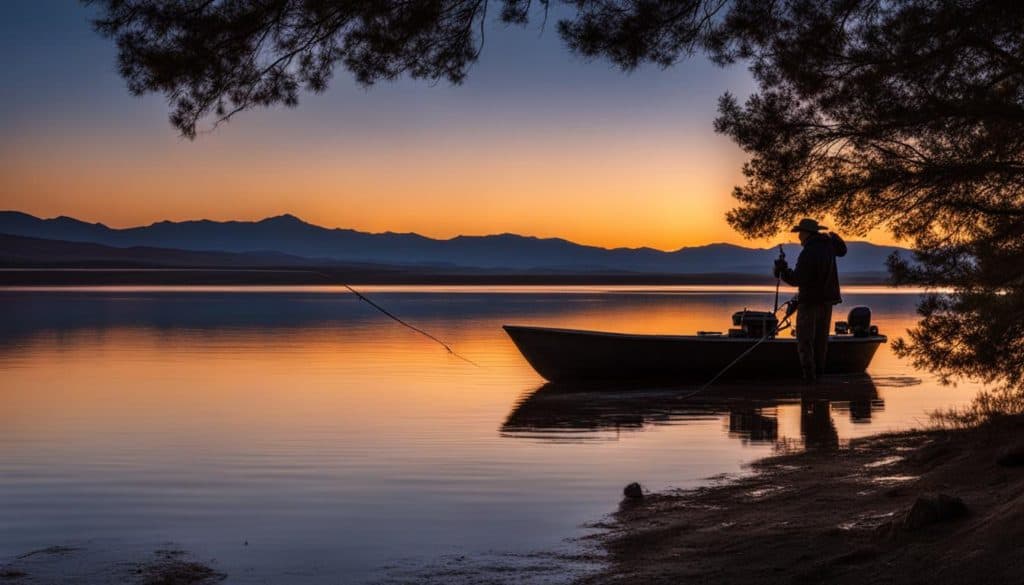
x=751, y=411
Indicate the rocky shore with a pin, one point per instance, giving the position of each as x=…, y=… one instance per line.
x=935, y=507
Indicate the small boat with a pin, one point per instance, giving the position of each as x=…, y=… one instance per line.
x=572, y=355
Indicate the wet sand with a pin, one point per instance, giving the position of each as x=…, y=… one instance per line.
x=91, y=564
x=839, y=516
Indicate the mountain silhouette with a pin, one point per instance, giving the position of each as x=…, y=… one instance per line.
x=19, y=251
x=290, y=236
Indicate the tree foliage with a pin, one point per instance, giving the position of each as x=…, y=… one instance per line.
x=215, y=58
x=906, y=115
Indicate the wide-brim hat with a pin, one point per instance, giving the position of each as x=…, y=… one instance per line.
x=808, y=225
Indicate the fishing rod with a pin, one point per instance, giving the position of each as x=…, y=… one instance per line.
x=398, y=319
x=778, y=279
x=779, y=326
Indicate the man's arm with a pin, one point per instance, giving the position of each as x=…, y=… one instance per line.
x=838, y=245
x=789, y=275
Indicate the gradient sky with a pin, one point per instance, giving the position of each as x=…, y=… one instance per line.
x=536, y=142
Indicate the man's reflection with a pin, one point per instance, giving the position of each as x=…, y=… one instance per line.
x=816, y=424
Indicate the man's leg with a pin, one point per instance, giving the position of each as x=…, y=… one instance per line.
x=822, y=324
x=805, y=330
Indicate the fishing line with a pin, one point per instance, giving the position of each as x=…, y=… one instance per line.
x=399, y=320
x=781, y=326
x=778, y=327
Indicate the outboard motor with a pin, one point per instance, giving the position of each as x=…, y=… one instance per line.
x=754, y=324
x=859, y=322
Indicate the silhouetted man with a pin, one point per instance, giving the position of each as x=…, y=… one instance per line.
x=818, y=280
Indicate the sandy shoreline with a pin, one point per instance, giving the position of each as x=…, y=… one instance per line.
x=840, y=516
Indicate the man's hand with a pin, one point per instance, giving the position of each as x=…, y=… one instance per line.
x=780, y=267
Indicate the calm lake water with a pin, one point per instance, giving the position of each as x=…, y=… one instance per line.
x=343, y=447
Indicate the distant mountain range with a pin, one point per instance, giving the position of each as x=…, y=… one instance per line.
x=23, y=251
x=286, y=240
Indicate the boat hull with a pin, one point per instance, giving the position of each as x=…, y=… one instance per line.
x=568, y=355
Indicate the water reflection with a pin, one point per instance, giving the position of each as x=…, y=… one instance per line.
x=325, y=436
x=758, y=425
x=588, y=412
x=664, y=310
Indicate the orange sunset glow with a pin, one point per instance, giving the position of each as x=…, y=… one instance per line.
x=657, y=193
x=660, y=193
x=659, y=196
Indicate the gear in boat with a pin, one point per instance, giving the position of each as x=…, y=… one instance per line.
x=568, y=355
